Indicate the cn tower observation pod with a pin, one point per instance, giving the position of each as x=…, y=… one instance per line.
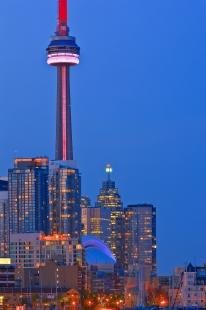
x=63, y=50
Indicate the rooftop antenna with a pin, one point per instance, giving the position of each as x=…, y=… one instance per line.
x=108, y=170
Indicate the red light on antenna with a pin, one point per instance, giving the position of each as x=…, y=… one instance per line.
x=62, y=12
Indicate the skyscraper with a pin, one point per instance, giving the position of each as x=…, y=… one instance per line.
x=100, y=219
x=4, y=218
x=28, y=195
x=63, y=53
x=109, y=199
x=140, y=251
x=109, y=195
x=140, y=238
x=64, y=198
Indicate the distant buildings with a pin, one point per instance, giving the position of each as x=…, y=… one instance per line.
x=130, y=233
x=4, y=218
x=48, y=215
x=28, y=195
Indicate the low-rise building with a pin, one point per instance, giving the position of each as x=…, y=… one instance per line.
x=51, y=276
x=188, y=287
x=31, y=250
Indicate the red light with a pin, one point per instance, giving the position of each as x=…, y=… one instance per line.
x=62, y=12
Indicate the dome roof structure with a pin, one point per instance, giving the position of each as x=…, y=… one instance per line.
x=97, y=252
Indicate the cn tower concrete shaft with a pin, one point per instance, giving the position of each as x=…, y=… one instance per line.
x=64, y=146
x=63, y=53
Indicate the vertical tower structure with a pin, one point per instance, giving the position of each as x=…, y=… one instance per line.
x=63, y=52
x=112, y=214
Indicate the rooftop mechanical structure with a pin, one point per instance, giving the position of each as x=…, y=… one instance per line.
x=63, y=52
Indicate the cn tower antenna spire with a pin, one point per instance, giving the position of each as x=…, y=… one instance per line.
x=62, y=27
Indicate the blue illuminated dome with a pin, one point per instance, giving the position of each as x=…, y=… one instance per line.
x=97, y=252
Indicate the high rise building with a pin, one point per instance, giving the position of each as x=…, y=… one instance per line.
x=4, y=218
x=109, y=196
x=140, y=252
x=95, y=220
x=63, y=52
x=113, y=229
x=99, y=219
x=85, y=215
x=28, y=195
x=64, y=198
x=140, y=238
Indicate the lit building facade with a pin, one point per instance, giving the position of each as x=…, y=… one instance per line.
x=4, y=218
x=28, y=195
x=65, y=198
x=95, y=220
x=31, y=250
x=110, y=203
x=140, y=252
x=99, y=219
x=85, y=215
x=140, y=238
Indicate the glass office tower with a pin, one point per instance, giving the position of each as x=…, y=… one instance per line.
x=28, y=195
x=65, y=198
x=140, y=238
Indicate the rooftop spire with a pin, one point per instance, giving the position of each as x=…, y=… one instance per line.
x=108, y=170
x=62, y=27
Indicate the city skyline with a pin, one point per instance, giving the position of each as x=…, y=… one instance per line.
x=148, y=157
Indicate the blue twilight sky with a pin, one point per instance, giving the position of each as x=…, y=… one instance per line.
x=139, y=102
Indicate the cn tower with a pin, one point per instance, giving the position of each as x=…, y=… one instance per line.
x=63, y=52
